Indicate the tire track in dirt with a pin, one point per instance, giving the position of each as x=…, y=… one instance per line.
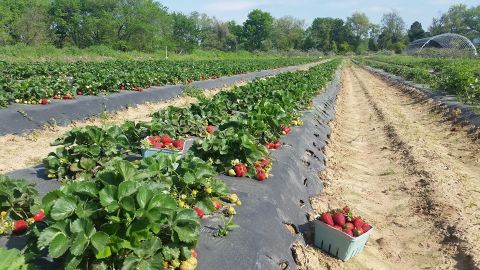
x=447, y=160
x=371, y=166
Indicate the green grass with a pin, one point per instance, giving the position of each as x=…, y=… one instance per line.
x=23, y=53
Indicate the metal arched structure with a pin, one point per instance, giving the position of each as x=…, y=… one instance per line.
x=448, y=44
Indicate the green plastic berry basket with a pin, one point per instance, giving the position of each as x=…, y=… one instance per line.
x=338, y=243
x=152, y=151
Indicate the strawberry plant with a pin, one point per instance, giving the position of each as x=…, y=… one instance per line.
x=227, y=145
x=28, y=83
x=116, y=221
x=18, y=198
x=84, y=151
x=190, y=180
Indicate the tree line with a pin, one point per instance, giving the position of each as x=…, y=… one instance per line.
x=147, y=25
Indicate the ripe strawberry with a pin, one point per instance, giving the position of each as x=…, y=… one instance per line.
x=158, y=145
x=286, y=130
x=358, y=222
x=194, y=253
x=217, y=205
x=349, y=232
x=67, y=97
x=366, y=227
x=261, y=175
x=44, y=101
x=240, y=170
x=38, y=217
x=338, y=227
x=80, y=93
x=20, y=226
x=199, y=212
x=346, y=209
x=269, y=146
x=277, y=145
x=265, y=161
x=339, y=218
x=166, y=140
x=327, y=218
x=178, y=144
x=210, y=129
x=348, y=226
x=357, y=232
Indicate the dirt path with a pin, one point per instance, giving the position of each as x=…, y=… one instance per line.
x=407, y=172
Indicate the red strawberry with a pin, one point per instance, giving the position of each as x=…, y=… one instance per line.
x=166, y=140
x=178, y=144
x=80, y=93
x=67, y=97
x=339, y=218
x=265, y=161
x=357, y=232
x=199, y=212
x=20, y=226
x=44, y=101
x=240, y=170
x=261, y=175
x=348, y=226
x=358, y=222
x=38, y=217
x=277, y=145
x=56, y=97
x=217, y=205
x=194, y=253
x=346, y=209
x=338, y=227
x=210, y=129
x=269, y=146
x=349, y=232
x=366, y=227
x=286, y=130
x=158, y=144
x=327, y=218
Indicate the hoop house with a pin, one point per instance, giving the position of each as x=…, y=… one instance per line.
x=448, y=44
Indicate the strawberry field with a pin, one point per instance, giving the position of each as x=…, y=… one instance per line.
x=116, y=210
x=460, y=77
x=37, y=83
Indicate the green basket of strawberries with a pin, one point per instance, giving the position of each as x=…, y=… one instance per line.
x=341, y=234
x=152, y=145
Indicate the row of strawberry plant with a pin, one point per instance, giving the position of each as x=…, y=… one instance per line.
x=37, y=83
x=460, y=77
x=113, y=213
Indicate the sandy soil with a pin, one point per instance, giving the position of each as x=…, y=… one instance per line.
x=406, y=171
x=36, y=145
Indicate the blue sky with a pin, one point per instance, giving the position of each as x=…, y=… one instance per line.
x=410, y=10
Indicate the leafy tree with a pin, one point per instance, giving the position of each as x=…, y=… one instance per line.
x=185, y=32
x=288, y=33
x=256, y=29
x=142, y=25
x=458, y=19
x=326, y=33
x=416, y=31
x=358, y=26
x=392, y=36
